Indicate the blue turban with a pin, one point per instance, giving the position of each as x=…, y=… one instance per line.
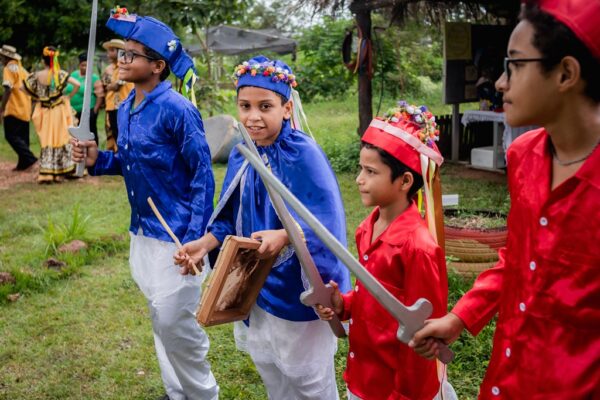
x=156, y=35
x=274, y=75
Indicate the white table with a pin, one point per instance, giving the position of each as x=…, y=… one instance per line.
x=509, y=133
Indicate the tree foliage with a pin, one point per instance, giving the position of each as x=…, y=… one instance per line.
x=319, y=68
x=30, y=25
x=403, y=56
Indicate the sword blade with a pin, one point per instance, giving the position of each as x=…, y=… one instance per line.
x=82, y=132
x=318, y=293
x=87, y=94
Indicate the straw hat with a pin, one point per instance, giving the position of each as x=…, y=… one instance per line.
x=114, y=43
x=9, y=52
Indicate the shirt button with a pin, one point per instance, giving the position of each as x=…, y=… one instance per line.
x=132, y=193
x=495, y=390
x=522, y=307
x=351, y=354
x=126, y=146
x=350, y=321
x=532, y=265
x=365, y=257
x=128, y=168
x=507, y=352
x=356, y=288
x=543, y=221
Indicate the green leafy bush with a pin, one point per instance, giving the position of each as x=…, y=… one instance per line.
x=57, y=234
x=343, y=156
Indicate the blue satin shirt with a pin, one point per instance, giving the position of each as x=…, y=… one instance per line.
x=245, y=208
x=163, y=154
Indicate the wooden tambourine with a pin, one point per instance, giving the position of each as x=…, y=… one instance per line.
x=236, y=280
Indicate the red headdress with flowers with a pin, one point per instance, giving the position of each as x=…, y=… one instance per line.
x=409, y=134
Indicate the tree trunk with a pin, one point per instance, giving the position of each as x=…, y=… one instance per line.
x=365, y=95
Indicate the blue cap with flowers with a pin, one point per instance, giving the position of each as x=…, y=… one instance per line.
x=274, y=75
x=157, y=36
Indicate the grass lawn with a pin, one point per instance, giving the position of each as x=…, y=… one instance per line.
x=84, y=332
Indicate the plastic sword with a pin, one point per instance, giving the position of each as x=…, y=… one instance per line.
x=82, y=132
x=410, y=319
x=318, y=292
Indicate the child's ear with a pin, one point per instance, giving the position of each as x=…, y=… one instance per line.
x=159, y=66
x=287, y=110
x=407, y=181
x=570, y=73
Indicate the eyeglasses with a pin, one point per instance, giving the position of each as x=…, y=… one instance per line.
x=508, y=60
x=128, y=56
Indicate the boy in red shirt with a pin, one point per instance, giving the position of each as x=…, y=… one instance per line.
x=545, y=288
x=395, y=245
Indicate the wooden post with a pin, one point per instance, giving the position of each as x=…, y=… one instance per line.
x=455, y=131
x=365, y=95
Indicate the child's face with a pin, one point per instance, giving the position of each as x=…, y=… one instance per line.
x=375, y=181
x=141, y=69
x=112, y=53
x=530, y=95
x=261, y=112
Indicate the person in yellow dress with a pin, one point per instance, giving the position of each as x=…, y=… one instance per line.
x=52, y=116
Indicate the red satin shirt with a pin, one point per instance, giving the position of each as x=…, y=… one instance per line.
x=408, y=262
x=546, y=286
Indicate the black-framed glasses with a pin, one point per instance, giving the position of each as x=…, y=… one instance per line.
x=508, y=60
x=128, y=56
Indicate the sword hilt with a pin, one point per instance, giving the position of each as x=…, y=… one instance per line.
x=311, y=298
x=80, y=166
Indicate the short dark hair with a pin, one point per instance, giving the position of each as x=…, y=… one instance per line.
x=555, y=41
x=82, y=57
x=46, y=59
x=398, y=168
x=281, y=97
x=154, y=54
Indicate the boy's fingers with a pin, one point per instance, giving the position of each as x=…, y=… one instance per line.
x=427, y=349
x=429, y=330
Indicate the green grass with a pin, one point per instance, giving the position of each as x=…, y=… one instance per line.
x=84, y=332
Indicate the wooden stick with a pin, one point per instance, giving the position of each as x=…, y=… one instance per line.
x=168, y=229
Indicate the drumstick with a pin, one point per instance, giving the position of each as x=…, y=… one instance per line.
x=169, y=231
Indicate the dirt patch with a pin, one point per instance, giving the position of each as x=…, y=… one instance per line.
x=9, y=178
x=466, y=172
x=73, y=247
x=53, y=263
x=6, y=278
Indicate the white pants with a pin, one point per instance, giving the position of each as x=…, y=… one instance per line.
x=181, y=345
x=294, y=359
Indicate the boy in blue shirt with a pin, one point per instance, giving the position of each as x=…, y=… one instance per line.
x=293, y=351
x=163, y=154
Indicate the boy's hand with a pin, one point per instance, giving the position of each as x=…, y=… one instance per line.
x=272, y=242
x=192, y=253
x=447, y=329
x=337, y=301
x=77, y=153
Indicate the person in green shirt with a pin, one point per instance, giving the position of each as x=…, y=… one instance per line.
x=97, y=99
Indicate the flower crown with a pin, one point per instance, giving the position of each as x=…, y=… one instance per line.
x=420, y=116
x=277, y=74
x=117, y=12
x=47, y=52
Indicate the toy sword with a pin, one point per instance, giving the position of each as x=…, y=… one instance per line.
x=318, y=293
x=410, y=319
x=82, y=132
